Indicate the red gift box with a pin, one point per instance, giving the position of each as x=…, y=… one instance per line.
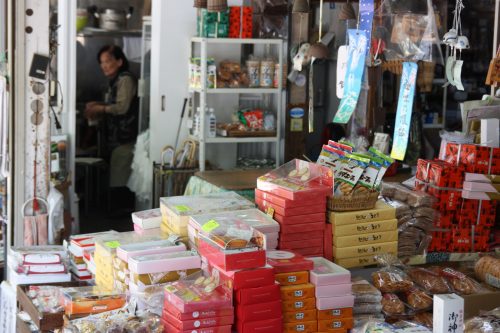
x=247, y=278
x=475, y=158
x=301, y=244
x=441, y=242
x=184, y=325
x=287, y=237
x=301, y=219
x=292, y=211
x=462, y=239
x=168, y=328
x=313, y=199
x=258, y=295
x=230, y=260
x=288, y=261
x=262, y=326
x=443, y=174
x=297, y=228
x=176, y=313
x=258, y=312
x=240, y=22
x=328, y=242
x=310, y=252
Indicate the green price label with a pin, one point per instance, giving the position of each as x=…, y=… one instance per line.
x=182, y=208
x=210, y=225
x=112, y=244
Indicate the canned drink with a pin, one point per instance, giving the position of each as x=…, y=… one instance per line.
x=267, y=74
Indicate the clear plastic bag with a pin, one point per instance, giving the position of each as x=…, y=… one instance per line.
x=408, y=31
x=429, y=280
x=461, y=283
x=364, y=292
x=390, y=279
x=488, y=322
x=367, y=308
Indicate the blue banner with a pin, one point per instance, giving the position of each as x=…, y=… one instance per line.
x=405, y=108
x=366, y=10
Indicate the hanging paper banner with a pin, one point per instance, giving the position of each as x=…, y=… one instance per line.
x=366, y=10
x=354, y=76
x=342, y=58
x=405, y=108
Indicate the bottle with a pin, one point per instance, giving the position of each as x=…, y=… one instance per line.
x=212, y=125
x=196, y=122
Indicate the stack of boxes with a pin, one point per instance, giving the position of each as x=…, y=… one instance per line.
x=240, y=22
x=295, y=195
x=334, y=300
x=367, y=301
x=197, y=305
x=147, y=220
x=359, y=235
x=297, y=294
x=176, y=211
x=467, y=206
x=213, y=24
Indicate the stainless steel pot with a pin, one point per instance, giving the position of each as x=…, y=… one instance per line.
x=113, y=19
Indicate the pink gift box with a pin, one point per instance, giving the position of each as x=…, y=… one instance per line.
x=194, y=324
x=333, y=290
x=178, y=294
x=168, y=328
x=326, y=303
x=292, y=211
x=481, y=187
x=164, y=262
x=124, y=252
x=327, y=273
x=313, y=199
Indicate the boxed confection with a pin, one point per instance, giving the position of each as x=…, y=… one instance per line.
x=333, y=290
x=480, y=178
x=288, y=261
x=292, y=211
x=357, y=261
x=298, y=236
x=326, y=303
x=176, y=211
x=292, y=278
x=198, y=323
x=240, y=22
x=300, y=244
x=440, y=173
x=78, y=244
x=306, y=326
x=380, y=212
x=269, y=325
x=164, y=262
x=327, y=273
x=299, y=228
x=475, y=158
x=365, y=239
x=301, y=305
x=258, y=312
x=364, y=250
x=297, y=180
x=213, y=25
x=169, y=328
x=448, y=313
x=335, y=324
x=297, y=292
x=89, y=300
x=245, y=278
x=365, y=227
x=299, y=316
x=300, y=219
x=313, y=199
x=332, y=314
x=126, y=251
x=258, y=295
x=310, y=252
x=481, y=187
x=147, y=219
x=204, y=314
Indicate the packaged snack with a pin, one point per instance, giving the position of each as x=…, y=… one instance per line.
x=89, y=300
x=390, y=279
x=424, y=318
x=327, y=273
x=429, y=280
x=418, y=299
x=461, y=283
x=349, y=173
x=488, y=270
x=369, y=176
x=387, y=162
x=331, y=157
x=486, y=323
x=392, y=305
x=344, y=146
x=367, y=308
x=364, y=292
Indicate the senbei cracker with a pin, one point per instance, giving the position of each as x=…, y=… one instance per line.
x=350, y=171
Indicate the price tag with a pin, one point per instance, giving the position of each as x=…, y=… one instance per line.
x=182, y=208
x=270, y=211
x=112, y=244
x=210, y=225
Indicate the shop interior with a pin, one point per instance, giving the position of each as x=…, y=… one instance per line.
x=250, y=166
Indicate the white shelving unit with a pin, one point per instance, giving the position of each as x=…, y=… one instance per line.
x=203, y=44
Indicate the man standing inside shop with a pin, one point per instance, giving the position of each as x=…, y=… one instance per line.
x=120, y=113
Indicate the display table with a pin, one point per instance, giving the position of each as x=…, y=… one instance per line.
x=241, y=181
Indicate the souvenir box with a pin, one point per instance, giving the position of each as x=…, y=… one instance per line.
x=299, y=228
x=292, y=278
x=333, y=290
x=164, y=262
x=448, y=312
x=440, y=173
x=141, y=281
x=325, y=303
x=327, y=273
x=201, y=294
x=475, y=158
x=297, y=292
x=240, y=22
x=480, y=195
x=335, y=314
x=259, y=312
x=358, y=261
x=297, y=180
x=297, y=236
x=168, y=328
x=380, y=212
x=86, y=242
x=302, y=305
x=481, y=187
x=310, y=252
x=199, y=323
x=299, y=316
x=365, y=239
x=300, y=244
x=244, y=279
x=328, y=242
x=307, y=327
x=37, y=255
x=16, y=278
x=312, y=209
x=269, y=325
x=90, y=300
x=288, y=261
x=364, y=228
x=147, y=219
x=231, y=253
x=124, y=252
x=334, y=324
x=365, y=250
x=176, y=211
x=258, y=295
x=313, y=199
x=210, y=313
x=300, y=219
x=480, y=178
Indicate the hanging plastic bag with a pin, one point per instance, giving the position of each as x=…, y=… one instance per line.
x=55, y=200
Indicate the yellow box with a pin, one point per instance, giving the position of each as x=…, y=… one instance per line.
x=177, y=223
x=364, y=250
x=295, y=292
x=357, y=262
x=365, y=227
x=173, y=229
x=380, y=212
x=365, y=239
x=292, y=278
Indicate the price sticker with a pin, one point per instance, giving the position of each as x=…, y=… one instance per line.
x=210, y=225
x=112, y=244
x=270, y=211
x=182, y=208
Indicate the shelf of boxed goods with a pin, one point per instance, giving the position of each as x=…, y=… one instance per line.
x=203, y=91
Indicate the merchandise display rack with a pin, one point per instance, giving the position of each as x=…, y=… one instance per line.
x=203, y=140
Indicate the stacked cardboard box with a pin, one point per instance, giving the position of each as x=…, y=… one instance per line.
x=213, y=25
x=147, y=220
x=295, y=195
x=334, y=300
x=297, y=293
x=359, y=235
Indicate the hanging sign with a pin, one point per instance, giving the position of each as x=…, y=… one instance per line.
x=342, y=58
x=354, y=75
x=405, y=108
x=366, y=10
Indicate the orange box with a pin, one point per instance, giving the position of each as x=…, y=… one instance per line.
x=89, y=306
x=335, y=324
x=299, y=316
x=303, y=304
x=293, y=278
x=305, y=327
x=297, y=292
x=335, y=314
